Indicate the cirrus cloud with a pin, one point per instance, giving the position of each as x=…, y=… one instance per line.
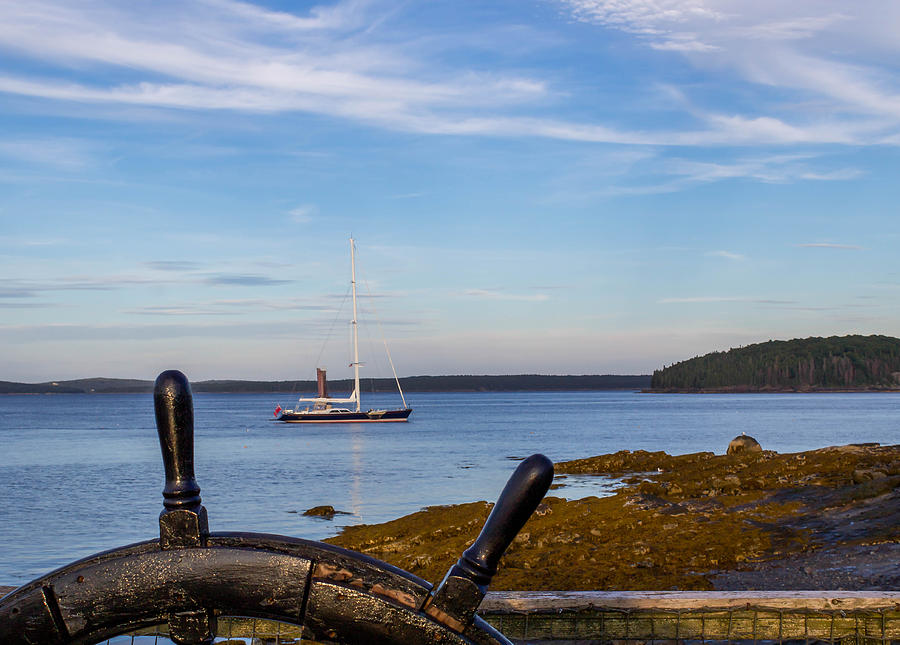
x=334, y=60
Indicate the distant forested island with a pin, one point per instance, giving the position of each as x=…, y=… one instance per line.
x=512, y=383
x=836, y=363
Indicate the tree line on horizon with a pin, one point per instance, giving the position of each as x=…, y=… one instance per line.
x=462, y=383
x=836, y=362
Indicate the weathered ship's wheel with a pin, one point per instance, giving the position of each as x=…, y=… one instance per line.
x=189, y=576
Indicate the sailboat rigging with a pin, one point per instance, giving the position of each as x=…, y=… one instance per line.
x=323, y=409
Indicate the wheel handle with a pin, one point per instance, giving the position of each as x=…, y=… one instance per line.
x=183, y=522
x=465, y=584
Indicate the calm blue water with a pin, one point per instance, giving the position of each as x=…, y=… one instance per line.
x=82, y=473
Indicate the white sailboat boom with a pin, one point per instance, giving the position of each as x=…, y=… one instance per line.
x=396, y=380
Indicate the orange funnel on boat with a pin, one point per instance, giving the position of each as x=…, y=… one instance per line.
x=322, y=383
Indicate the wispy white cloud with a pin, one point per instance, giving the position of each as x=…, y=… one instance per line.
x=244, y=280
x=728, y=255
x=771, y=169
x=656, y=174
x=830, y=245
x=146, y=332
x=79, y=283
x=24, y=305
x=644, y=16
x=239, y=58
x=163, y=273
x=683, y=43
x=12, y=291
x=303, y=214
x=499, y=294
x=229, y=307
x=702, y=300
x=180, y=310
x=420, y=112
x=715, y=299
x=178, y=266
x=408, y=195
x=227, y=55
x=59, y=153
x=342, y=16
x=18, y=241
x=795, y=46
x=843, y=174
x=279, y=304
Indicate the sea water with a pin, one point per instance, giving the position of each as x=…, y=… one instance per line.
x=83, y=473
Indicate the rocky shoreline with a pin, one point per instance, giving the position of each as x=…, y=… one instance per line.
x=821, y=519
x=746, y=389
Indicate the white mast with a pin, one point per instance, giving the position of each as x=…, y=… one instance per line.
x=355, y=328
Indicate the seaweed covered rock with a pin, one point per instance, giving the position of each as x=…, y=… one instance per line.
x=675, y=522
x=327, y=512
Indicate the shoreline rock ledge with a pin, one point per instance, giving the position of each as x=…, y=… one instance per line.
x=820, y=519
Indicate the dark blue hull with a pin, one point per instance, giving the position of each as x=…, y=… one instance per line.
x=345, y=417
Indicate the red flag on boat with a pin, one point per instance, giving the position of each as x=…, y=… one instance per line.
x=277, y=410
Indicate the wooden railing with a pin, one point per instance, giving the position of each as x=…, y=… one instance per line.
x=730, y=616
x=860, y=617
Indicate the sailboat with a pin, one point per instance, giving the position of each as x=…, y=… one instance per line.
x=323, y=408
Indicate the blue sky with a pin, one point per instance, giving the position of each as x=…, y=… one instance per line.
x=560, y=186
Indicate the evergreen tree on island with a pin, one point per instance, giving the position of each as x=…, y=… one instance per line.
x=808, y=364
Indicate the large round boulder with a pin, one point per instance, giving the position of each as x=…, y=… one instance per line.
x=743, y=443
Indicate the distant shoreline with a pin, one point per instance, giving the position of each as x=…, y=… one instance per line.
x=841, y=390
x=462, y=384
x=197, y=390
x=312, y=393
x=414, y=384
